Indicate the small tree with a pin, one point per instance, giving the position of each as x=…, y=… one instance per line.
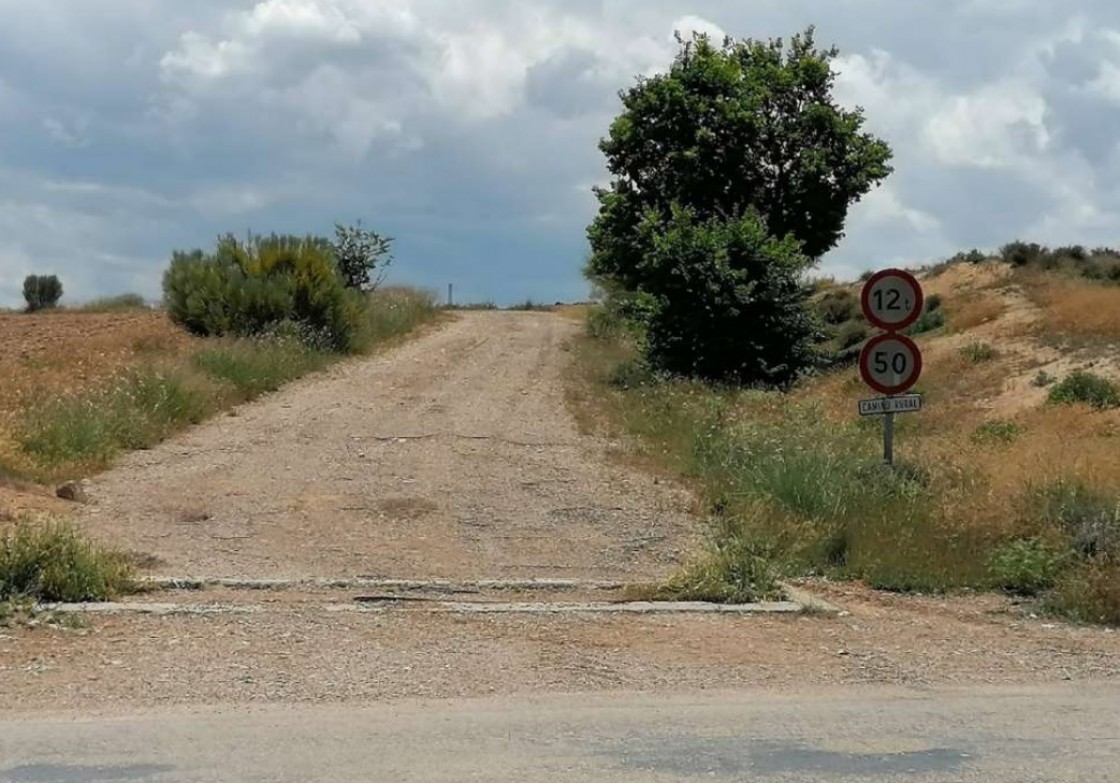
x=362, y=256
x=41, y=292
x=735, y=139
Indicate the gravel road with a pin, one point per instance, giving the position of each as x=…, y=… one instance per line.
x=454, y=456
x=451, y=456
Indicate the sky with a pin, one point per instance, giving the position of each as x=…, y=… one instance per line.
x=468, y=129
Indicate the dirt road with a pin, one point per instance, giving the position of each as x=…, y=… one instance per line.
x=452, y=456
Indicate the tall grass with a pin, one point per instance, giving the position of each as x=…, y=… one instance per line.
x=74, y=434
x=394, y=311
x=52, y=562
x=256, y=367
x=137, y=411
x=794, y=488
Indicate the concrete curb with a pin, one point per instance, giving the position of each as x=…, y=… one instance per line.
x=638, y=607
x=438, y=607
x=360, y=583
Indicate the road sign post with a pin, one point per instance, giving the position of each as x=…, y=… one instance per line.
x=891, y=363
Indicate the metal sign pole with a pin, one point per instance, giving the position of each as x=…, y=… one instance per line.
x=888, y=438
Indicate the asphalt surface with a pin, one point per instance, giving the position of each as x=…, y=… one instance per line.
x=1012, y=735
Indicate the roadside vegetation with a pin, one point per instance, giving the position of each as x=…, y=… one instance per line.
x=712, y=346
x=262, y=313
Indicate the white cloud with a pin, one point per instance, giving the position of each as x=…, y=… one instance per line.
x=996, y=125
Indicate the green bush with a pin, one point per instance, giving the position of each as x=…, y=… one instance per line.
x=1086, y=388
x=1043, y=379
x=852, y=334
x=729, y=305
x=928, y=322
x=41, y=292
x=933, y=303
x=979, y=353
x=51, y=562
x=247, y=289
x=839, y=306
x=361, y=256
x=1090, y=518
x=1027, y=567
x=997, y=432
x=735, y=570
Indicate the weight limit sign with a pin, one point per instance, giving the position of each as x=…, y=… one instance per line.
x=893, y=300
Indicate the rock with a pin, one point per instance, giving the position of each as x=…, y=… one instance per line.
x=73, y=491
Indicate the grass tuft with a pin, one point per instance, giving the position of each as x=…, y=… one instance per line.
x=52, y=562
x=1088, y=389
x=256, y=367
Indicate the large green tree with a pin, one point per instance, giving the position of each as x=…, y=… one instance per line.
x=745, y=133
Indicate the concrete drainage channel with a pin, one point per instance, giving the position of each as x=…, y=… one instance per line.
x=439, y=596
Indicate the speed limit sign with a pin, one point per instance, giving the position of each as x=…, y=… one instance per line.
x=891, y=364
x=893, y=300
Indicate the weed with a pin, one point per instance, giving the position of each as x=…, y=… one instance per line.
x=733, y=571
x=138, y=411
x=1089, y=593
x=256, y=367
x=394, y=311
x=997, y=432
x=1027, y=567
x=1089, y=517
x=122, y=303
x=1087, y=388
x=51, y=562
x=979, y=353
x=1043, y=380
x=529, y=305
x=928, y=322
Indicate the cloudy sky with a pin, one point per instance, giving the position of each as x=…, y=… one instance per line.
x=468, y=128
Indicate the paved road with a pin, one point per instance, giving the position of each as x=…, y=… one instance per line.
x=1025, y=734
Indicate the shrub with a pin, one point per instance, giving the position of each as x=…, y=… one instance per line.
x=1089, y=593
x=997, y=432
x=632, y=374
x=41, y=292
x=1089, y=518
x=729, y=304
x=933, y=303
x=362, y=256
x=852, y=334
x=247, y=289
x=979, y=353
x=1087, y=388
x=839, y=306
x=1043, y=379
x=51, y=562
x=121, y=303
x=928, y=322
x=1021, y=253
x=866, y=275
x=734, y=570
x=1027, y=567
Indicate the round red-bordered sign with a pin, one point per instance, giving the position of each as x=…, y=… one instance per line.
x=891, y=364
x=893, y=300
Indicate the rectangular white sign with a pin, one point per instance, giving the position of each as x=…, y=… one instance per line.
x=911, y=403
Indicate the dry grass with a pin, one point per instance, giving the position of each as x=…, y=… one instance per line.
x=779, y=465
x=1077, y=307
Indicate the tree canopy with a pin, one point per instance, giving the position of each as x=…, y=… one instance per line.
x=735, y=139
